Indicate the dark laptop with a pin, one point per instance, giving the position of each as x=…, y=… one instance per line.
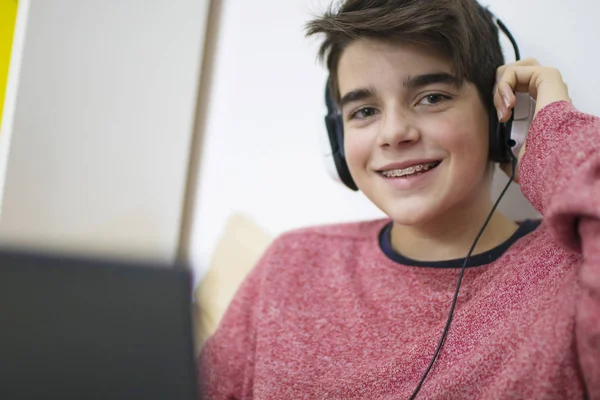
x=84, y=328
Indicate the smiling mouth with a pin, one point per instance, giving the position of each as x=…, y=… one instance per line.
x=410, y=171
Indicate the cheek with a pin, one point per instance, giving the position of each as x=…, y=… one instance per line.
x=357, y=147
x=464, y=140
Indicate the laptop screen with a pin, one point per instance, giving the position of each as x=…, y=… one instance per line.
x=75, y=328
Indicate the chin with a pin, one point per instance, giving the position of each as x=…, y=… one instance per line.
x=413, y=212
x=409, y=208
x=409, y=211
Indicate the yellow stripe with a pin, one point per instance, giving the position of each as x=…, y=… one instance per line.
x=8, y=16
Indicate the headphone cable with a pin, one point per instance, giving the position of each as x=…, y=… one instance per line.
x=462, y=272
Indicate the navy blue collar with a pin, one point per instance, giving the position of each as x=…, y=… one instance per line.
x=487, y=257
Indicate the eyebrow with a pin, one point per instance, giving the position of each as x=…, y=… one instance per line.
x=355, y=95
x=410, y=82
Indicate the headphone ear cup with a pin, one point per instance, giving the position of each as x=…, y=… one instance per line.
x=500, y=141
x=335, y=131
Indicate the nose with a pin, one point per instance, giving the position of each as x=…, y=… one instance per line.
x=397, y=129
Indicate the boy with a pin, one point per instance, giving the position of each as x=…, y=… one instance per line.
x=355, y=311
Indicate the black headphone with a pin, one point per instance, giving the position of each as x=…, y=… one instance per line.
x=500, y=149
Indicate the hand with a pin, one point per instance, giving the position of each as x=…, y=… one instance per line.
x=544, y=84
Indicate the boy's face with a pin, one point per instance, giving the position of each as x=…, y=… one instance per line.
x=402, y=107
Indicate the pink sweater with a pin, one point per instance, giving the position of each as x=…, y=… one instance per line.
x=327, y=315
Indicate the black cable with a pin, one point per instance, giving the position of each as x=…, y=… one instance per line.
x=462, y=272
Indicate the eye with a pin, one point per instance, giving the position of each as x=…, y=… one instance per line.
x=363, y=113
x=433, y=99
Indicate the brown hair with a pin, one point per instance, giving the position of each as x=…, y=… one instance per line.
x=461, y=30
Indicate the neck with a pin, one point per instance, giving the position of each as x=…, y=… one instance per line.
x=451, y=236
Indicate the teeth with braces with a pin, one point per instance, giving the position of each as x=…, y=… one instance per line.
x=408, y=171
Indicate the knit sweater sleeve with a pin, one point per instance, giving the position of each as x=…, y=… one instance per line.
x=560, y=176
x=226, y=362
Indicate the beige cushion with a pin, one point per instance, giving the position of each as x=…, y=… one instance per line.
x=238, y=250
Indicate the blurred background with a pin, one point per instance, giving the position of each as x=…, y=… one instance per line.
x=140, y=128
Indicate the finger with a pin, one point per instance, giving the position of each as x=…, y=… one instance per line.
x=505, y=101
x=500, y=104
x=530, y=61
x=507, y=94
x=520, y=79
x=514, y=79
x=504, y=97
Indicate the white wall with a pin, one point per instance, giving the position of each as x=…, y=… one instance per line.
x=102, y=124
x=261, y=153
